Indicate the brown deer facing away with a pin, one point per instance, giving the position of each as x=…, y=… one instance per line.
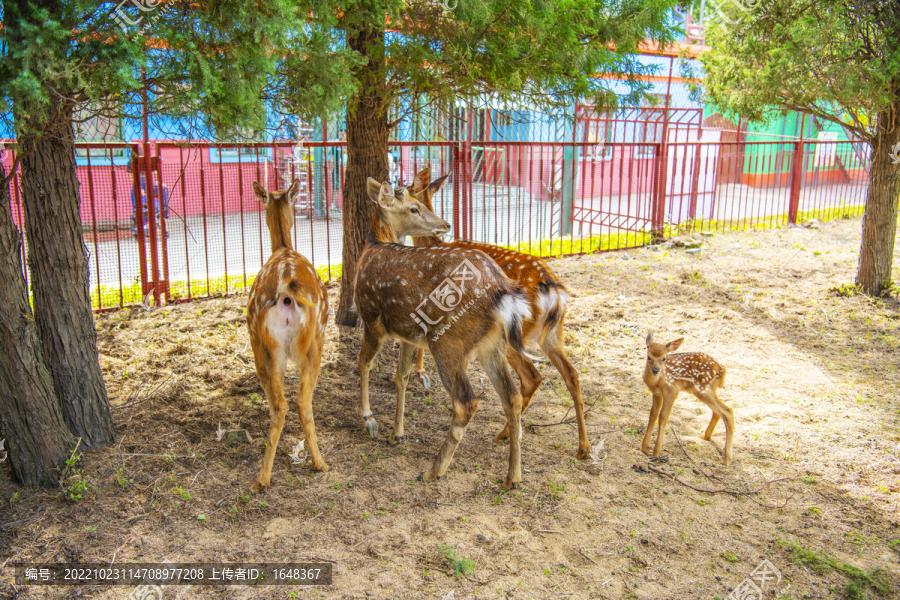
x=455, y=301
x=667, y=375
x=286, y=316
x=547, y=298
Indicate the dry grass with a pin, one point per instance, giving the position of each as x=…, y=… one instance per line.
x=813, y=377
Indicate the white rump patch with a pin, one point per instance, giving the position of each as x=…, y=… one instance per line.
x=285, y=322
x=512, y=307
x=547, y=300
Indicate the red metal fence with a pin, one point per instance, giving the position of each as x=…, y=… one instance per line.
x=203, y=233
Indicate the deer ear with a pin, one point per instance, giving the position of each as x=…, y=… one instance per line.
x=386, y=195
x=293, y=190
x=435, y=186
x=421, y=179
x=673, y=346
x=260, y=193
x=373, y=188
x=649, y=338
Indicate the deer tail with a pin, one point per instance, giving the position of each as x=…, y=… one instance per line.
x=513, y=309
x=552, y=299
x=295, y=292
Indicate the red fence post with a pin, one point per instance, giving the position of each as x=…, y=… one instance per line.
x=457, y=188
x=162, y=203
x=796, y=176
x=658, y=199
x=137, y=166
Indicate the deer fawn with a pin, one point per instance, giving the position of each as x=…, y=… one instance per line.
x=455, y=301
x=667, y=375
x=286, y=316
x=546, y=296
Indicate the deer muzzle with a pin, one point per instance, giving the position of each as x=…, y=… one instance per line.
x=441, y=230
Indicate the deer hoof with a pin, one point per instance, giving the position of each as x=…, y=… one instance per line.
x=503, y=435
x=259, y=487
x=394, y=440
x=371, y=427
x=323, y=467
x=510, y=484
x=425, y=379
x=583, y=453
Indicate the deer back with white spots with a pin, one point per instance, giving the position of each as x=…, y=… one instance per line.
x=454, y=301
x=547, y=299
x=286, y=317
x=667, y=375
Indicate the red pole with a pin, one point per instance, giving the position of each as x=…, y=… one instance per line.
x=796, y=176
x=148, y=181
x=663, y=159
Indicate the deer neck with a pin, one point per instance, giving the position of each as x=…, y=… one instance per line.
x=381, y=232
x=280, y=234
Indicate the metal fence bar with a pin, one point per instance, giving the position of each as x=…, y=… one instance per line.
x=507, y=192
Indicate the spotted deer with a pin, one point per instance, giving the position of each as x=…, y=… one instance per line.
x=286, y=316
x=547, y=298
x=454, y=301
x=667, y=375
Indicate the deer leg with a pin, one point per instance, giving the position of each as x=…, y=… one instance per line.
x=304, y=408
x=371, y=344
x=553, y=348
x=712, y=426
x=668, y=402
x=497, y=371
x=654, y=415
x=464, y=405
x=420, y=368
x=271, y=376
x=723, y=411
x=530, y=379
x=401, y=379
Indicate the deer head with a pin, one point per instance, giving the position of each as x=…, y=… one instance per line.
x=399, y=213
x=656, y=356
x=279, y=213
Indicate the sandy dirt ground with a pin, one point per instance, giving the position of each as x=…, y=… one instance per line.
x=813, y=377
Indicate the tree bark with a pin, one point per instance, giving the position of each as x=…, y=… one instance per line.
x=367, y=148
x=30, y=418
x=879, y=229
x=60, y=277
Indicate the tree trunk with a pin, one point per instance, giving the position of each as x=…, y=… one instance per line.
x=879, y=228
x=60, y=278
x=367, y=148
x=30, y=418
